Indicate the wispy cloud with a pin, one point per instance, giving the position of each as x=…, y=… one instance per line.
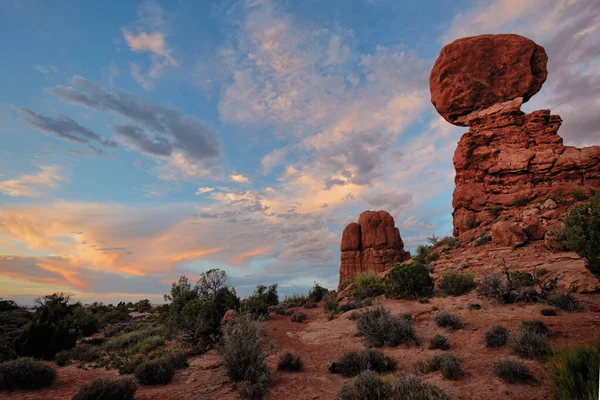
x=33, y=185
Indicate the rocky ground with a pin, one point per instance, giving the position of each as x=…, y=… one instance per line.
x=318, y=340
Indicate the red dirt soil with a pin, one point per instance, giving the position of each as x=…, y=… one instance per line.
x=318, y=340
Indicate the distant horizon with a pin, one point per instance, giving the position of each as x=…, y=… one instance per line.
x=154, y=139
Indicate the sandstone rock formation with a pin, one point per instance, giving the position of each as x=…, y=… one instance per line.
x=373, y=244
x=510, y=166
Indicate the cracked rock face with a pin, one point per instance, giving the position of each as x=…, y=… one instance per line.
x=509, y=163
x=371, y=245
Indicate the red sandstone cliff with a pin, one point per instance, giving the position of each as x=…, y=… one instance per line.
x=509, y=163
x=373, y=244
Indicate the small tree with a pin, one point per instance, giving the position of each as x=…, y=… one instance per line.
x=583, y=232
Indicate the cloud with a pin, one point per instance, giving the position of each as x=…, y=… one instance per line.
x=389, y=200
x=168, y=132
x=150, y=17
x=33, y=185
x=239, y=178
x=570, y=33
x=49, y=69
x=203, y=190
x=65, y=128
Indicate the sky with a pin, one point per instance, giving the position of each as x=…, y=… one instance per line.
x=145, y=140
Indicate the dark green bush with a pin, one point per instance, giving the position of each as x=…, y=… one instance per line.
x=580, y=194
x=439, y=342
x=456, y=283
x=582, y=226
x=380, y=328
x=62, y=358
x=511, y=371
x=7, y=353
x=497, y=336
x=354, y=362
x=155, y=372
x=25, y=373
x=566, y=302
x=308, y=304
x=177, y=360
x=445, y=319
x=107, y=389
x=534, y=326
x=85, y=352
x=370, y=386
x=574, y=372
x=530, y=344
x=330, y=304
x=448, y=364
x=367, y=285
x=298, y=317
x=317, y=293
x=354, y=305
x=263, y=297
x=515, y=286
x=548, y=312
x=408, y=281
x=289, y=362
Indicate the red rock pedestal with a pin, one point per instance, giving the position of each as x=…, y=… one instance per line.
x=509, y=163
x=373, y=244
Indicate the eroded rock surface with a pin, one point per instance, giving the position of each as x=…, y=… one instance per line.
x=509, y=164
x=373, y=244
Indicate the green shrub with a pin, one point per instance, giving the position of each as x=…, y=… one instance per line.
x=496, y=336
x=483, y=238
x=439, y=342
x=370, y=386
x=548, y=312
x=566, y=302
x=263, y=297
x=25, y=373
x=574, y=372
x=330, y=304
x=367, y=284
x=582, y=226
x=447, y=320
x=243, y=357
x=148, y=344
x=86, y=352
x=155, y=372
x=408, y=281
x=132, y=338
x=515, y=286
x=422, y=254
x=521, y=201
x=448, y=364
x=355, y=305
x=353, y=363
x=511, y=371
x=177, y=359
x=308, y=304
x=380, y=328
x=298, y=317
x=366, y=386
x=107, y=389
x=317, y=293
x=530, y=344
x=289, y=362
x=7, y=353
x=456, y=283
x=534, y=326
x=295, y=300
x=580, y=194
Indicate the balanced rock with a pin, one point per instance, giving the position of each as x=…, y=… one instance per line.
x=373, y=244
x=508, y=161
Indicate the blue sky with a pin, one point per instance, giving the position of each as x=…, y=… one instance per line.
x=145, y=140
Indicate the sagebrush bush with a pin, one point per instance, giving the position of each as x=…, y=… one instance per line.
x=132, y=338
x=439, y=342
x=511, y=371
x=289, y=362
x=548, y=312
x=155, y=372
x=298, y=317
x=309, y=304
x=456, y=283
x=7, y=352
x=496, y=336
x=368, y=385
x=317, y=293
x=564, y=301
x=330, y=304
x=448, y=364
x=354, y=362
x=445, y=319
x=534, y=326
x=380, y=328
x=178, y=360
x=243, y=356
x=62, y=358
x=367, y=284
x=515, y=286
x=582, y=228
x=354, y=305
x=107, y=389
x=574, y=372
x=408, y=281
x=25, y=373
x=278, y=309
x=85, y=352
x=530, y=344
x=148, y=344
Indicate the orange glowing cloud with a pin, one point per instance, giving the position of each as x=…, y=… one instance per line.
x=243, y=257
